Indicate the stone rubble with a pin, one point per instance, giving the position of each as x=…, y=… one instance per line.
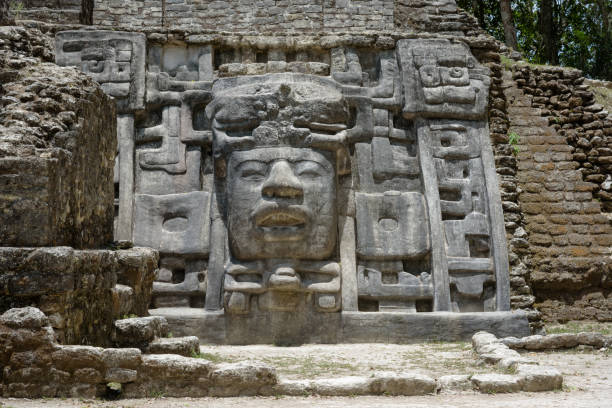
x=529, y=376
x=559, y=341
x=34, y=365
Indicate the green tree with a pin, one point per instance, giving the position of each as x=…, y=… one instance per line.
x=576, y=33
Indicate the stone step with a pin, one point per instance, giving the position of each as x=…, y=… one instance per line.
x=184, y=346
x=139, y=331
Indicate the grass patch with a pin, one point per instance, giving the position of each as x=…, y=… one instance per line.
x=603, y=96
x=213, y=358
x=506, y=62
x=577, y=327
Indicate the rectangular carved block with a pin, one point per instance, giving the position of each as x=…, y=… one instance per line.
x=442, y=79
x=114, y=59
x=387, y=226
x=173, y=223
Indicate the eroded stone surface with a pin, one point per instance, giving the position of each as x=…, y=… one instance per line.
x=55, y=123
x=537, y=378
x=496, y=383
x=139, y=331
x=184, y=346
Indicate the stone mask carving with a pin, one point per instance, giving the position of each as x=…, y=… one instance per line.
x=281, y=203
x=276, y=139
x=274, y=136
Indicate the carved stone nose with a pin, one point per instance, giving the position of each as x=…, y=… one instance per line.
x=282, y=182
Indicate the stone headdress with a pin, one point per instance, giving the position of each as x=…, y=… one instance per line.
x=284, y=109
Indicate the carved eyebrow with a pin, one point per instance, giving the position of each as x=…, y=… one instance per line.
x=300, y=164
x=249, y=163
x=308, y=163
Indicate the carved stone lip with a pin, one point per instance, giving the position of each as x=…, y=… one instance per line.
x=281, y=223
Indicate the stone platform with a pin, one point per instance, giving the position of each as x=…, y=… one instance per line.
x=345, y=327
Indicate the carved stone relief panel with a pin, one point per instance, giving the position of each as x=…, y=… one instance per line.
x=306, y=180
x=114, y=59
x=173, y=171
x=176, y=224
x=456, y=153
x=276, y=138
x=442, y=79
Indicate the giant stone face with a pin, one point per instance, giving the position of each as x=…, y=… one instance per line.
x=281, y=203
x=280, y=184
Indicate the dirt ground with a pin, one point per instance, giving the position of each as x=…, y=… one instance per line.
x=587, y=378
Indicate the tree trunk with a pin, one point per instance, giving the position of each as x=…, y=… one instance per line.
x=86, y=16
x=548, y=32
x=604, y=53
x=478, y=9
x=509, y=30
x=4, y=13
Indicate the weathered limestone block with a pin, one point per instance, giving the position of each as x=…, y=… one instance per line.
x=184, y=346
x=123, y=300
x=171, y=375
x=497, y=383
x=24, y=318
x=402, y=384
x=70, y=358
x=128, y=358
x=380, y=383
x=120, y=375
x=454, y=383
x=536, y=378
x=242, y=379
x=331, y=387
x=139, y=331
x=559, y=341
x=136, y=270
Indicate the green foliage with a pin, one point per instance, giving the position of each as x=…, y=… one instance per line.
x=582, y=33
x=513, y=141
x=582, y=326
x=213, y=358
x=16, y=8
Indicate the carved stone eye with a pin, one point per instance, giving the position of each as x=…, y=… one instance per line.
x=308, y=169
x=253, y=171
x=253, y=175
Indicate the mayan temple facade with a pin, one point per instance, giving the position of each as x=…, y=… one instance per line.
x=291, y=172
x=329, y=178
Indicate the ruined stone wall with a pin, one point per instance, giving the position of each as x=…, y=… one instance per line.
x=82, y=292
x=563, y=154
x=240, y=15
x=57, y=152
x=487, y=50
x=284, y=15
x=442, y=16
x=57, y=11
x=57, y=148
